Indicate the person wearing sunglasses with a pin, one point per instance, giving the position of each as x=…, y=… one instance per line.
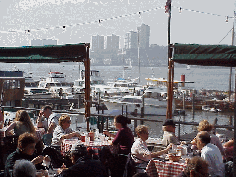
x=63, y=131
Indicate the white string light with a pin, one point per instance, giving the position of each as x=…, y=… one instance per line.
x=99, y=21
x=227, y=19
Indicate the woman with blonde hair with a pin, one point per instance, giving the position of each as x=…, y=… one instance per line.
x=140, y=152
x=21, y=124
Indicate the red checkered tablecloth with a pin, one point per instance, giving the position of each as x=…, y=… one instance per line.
x=39, y=133
x=164, y=169
x=67, y=144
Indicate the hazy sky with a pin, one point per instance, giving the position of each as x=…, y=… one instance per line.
x=186, y=27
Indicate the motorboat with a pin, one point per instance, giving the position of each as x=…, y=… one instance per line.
x=95, y=81
x=56, y=83
x=135, y=103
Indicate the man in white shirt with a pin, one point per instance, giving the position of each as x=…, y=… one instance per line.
x=51, y=119
x=211, y=154
x=49, y=123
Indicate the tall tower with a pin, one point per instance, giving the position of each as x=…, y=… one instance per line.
x=131, y=40
x=144, y=34
x=113, y=43
x=97, y=43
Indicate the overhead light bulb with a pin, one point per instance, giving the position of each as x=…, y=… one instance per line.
x=180, y=10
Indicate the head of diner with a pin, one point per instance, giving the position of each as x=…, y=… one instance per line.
x=83, y=164
x=196, y=167
x=210, y=153
x=169, y=133
x=24, y=168
x=63, y=131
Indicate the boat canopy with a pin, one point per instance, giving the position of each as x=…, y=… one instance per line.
x=205, y=55
x=44, y=54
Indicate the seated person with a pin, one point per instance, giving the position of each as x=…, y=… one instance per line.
x=21, y=124
x=196, y=167
x=62, y=131
x=229, y=150
x=83, y=165
x=169, y=133
x=204, y=125
x=210, y=153
x=124, y=138
x=140, y=153
x=25, y=150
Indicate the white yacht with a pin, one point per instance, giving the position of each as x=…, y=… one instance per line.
x=32, y=90
x=134, y=103
x=55, y=83
x=95, y=81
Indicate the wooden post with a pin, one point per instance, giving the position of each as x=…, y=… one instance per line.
x=135, y=125
x=107, y=122
x=193, y=109
x=122, y=109
x=234, y=158
x=87, y=86
x=169, y=85
x=230, y=73
x=142, y=111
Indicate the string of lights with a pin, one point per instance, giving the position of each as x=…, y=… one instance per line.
x=99, y=21
x=206, y=13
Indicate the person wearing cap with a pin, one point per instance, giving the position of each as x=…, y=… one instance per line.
x=169, y=133
x=84, y=165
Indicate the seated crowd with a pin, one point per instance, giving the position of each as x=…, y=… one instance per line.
x=30, y=153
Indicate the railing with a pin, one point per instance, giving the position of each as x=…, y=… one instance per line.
x=104, y=119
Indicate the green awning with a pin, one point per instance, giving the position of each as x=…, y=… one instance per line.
x=205, y=55
x=44, y=54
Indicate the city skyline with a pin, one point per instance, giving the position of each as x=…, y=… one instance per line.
x=131, y=40
x=75, y=21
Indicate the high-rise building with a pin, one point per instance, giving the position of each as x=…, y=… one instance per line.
x=97, y=43
x=113, y=42
x=42, y=42
x=131, y=40
x=144, y=34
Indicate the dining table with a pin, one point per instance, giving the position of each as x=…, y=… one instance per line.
x=96, y=145
x=164, y=168
x=39, y=133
